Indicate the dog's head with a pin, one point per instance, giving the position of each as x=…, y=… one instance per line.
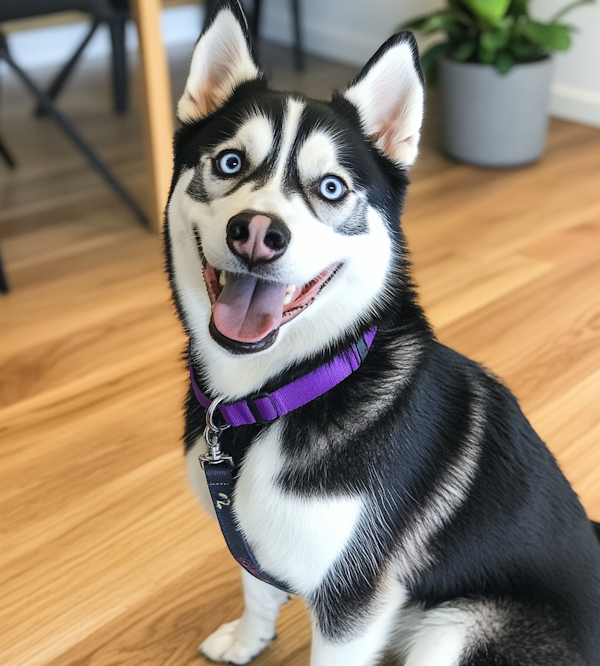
x=282, y=224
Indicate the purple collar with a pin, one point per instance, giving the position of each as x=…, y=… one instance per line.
x=260, y=408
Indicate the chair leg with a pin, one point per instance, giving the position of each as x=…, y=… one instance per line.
x=209, y=10
x=255, y=20
x=119, y=64
x=70, y=131
x=59, y=82
x=8, y=158
x=4, y=286
x=298, y=50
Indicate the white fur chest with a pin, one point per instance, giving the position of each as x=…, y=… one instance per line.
x=296, y=539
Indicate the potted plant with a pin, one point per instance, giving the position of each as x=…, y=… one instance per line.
x=494, y=70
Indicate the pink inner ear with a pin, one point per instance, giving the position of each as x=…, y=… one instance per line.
x=391, y=128
x=211, y=96
x=204, y=100
x=387, y=122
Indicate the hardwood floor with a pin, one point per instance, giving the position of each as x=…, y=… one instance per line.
x=106, y=558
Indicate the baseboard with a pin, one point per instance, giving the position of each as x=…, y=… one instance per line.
x=574, y=104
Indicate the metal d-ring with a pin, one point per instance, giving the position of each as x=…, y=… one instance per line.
x=212, y=437
x=210, y=412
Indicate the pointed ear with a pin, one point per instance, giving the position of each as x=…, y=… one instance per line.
x=222, y=60
x=389, y=97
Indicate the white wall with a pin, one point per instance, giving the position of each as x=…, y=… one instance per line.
x=344, y=30
x=351, y=31
x=576, y=81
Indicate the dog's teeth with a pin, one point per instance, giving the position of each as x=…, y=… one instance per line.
x=289, y=294
x=223, y=278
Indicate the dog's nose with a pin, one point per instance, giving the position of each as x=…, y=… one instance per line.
x=257, y=238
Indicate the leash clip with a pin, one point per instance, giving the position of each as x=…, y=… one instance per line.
x=212, y=437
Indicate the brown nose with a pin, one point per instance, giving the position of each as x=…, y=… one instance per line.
x=257, y=238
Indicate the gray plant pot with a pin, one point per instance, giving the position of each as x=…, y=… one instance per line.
x=491, y=119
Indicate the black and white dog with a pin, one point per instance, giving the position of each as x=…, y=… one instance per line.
x=391, y=482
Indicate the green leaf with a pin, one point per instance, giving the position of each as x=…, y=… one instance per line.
x=488, y=10
x=464, y=51
x=450, y=22
x=523, y=50
x=427, y=24
x=455, y=5
x=463, y=30
x=504, y=62
x=429, y=62
x=493, y=40
x=552, y=35
x=520, y=7
x=485, y=56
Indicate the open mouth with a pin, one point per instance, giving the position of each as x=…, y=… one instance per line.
x=247, y=311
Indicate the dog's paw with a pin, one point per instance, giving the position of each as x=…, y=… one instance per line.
x=228, y=645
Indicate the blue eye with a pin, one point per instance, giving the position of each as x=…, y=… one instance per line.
x=332, y=188
x=229, y=162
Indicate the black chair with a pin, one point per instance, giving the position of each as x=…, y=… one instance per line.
x=112, y=11
x=4, y=288
x=8, y=158
x=295, y=7
x=114, y=14
x=101, y=10
x=6, y=155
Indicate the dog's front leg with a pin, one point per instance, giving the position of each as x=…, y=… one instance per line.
x=239, y=641
x=355, y=637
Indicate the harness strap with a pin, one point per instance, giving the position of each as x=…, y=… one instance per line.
x=220, y=484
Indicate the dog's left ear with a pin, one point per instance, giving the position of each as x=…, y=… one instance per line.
x=389, y=97
x=222, y=60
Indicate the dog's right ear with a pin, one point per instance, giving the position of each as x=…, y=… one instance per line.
x=222, y=60
x=388, y=95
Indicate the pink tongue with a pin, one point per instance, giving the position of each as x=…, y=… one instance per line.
x=248, y=308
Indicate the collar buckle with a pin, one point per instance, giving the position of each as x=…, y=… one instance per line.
x=362, y=348
x=253, y=407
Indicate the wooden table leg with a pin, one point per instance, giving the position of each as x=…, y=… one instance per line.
x=156, y=107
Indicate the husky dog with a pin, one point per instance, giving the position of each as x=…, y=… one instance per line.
x=410, y=503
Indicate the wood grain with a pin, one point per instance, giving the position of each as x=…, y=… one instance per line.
x=106, y=558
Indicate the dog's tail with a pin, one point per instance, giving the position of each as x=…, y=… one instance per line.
x=596, y=527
